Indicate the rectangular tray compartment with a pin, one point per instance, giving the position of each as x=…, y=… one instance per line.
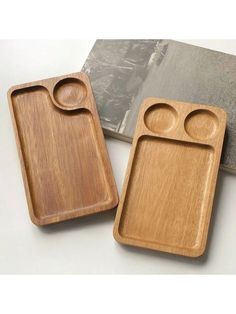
x=167, y=219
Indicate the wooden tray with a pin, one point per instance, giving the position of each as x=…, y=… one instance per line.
x=64, y=160
x=169, y=187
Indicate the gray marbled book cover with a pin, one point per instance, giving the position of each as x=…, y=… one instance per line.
x=124, y=72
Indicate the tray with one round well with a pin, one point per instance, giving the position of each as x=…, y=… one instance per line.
x=64, y=160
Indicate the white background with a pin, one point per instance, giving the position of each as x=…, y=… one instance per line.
x=86, y=245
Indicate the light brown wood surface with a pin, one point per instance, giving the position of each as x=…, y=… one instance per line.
x=65, y=165
x=169, y=187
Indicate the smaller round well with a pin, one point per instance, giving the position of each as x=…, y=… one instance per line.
x=70, y=92
x=160, y=118
x=201, y=124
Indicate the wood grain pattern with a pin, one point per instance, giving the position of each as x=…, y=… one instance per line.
x=168, y=193
x=65, y=165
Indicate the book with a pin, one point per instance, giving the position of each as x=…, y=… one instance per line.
x=124, y=72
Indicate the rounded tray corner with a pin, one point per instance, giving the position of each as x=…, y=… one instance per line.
x=196, y=252
x=37, y=221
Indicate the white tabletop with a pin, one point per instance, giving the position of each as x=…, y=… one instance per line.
x=86, y=245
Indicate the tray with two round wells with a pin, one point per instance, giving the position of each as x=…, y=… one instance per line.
x=168, y=192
